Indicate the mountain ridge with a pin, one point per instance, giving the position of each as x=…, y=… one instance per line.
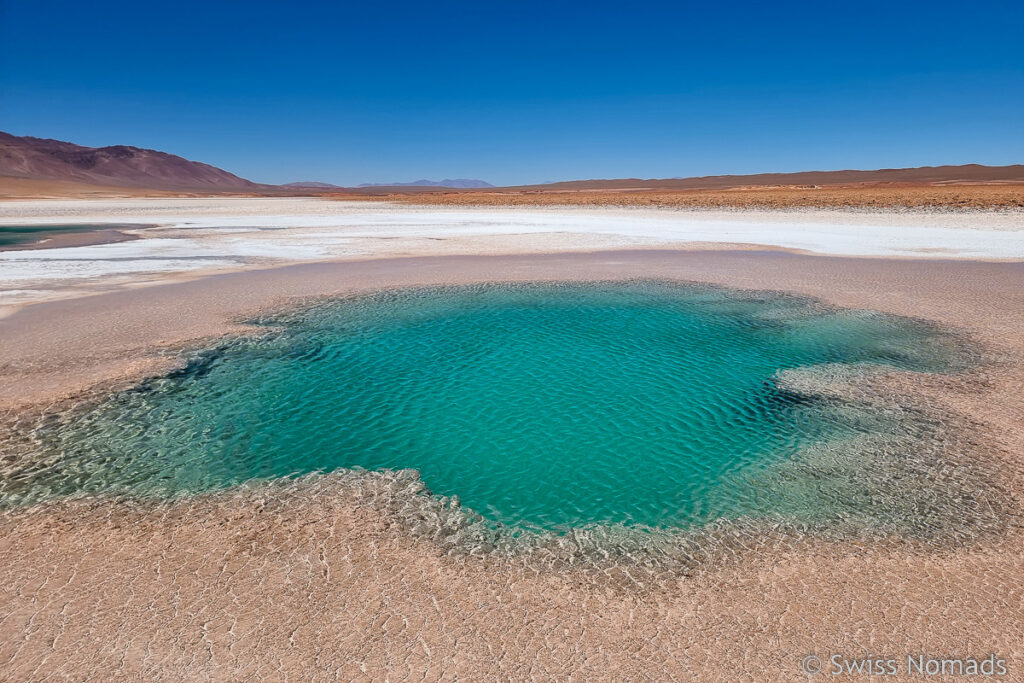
x=118, y=165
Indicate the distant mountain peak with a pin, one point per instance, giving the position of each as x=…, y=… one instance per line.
x=117, y=165
x=447, y=182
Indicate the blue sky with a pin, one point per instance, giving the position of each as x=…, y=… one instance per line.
x=521, y=92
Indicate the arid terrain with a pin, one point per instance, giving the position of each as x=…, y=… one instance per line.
x=360, y=577
x=874, y=196
x=323, y=580
x=515, y=342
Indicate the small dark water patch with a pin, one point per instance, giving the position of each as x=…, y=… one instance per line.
x=53, y=236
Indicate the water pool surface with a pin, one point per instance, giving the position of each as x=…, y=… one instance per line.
x=541, y=406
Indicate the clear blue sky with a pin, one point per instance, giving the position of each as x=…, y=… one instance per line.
x=521, y=92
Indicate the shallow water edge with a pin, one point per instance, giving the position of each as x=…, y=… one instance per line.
x=934, y=490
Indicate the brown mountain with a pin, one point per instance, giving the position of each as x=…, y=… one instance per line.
x=119, y=165
x=967, y=173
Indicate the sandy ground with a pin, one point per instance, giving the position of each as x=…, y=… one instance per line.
x=197, y=237
x=313, y=584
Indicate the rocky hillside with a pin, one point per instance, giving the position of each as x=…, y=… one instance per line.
x=118, y=165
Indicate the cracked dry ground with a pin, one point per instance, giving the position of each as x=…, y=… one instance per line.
x=274, y=585
x=248, y=588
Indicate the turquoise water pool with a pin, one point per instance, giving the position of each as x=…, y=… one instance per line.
x=542, y=406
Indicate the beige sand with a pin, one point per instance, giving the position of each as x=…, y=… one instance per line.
x=312, y=584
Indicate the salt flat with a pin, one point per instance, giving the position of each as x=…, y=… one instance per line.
x=200, y=236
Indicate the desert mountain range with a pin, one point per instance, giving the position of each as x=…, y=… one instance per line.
x=118, y=165
x=28, y=159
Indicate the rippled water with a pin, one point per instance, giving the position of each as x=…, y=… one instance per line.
x=540, y=406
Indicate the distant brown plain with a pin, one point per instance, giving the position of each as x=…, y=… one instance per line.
x=876, y=196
